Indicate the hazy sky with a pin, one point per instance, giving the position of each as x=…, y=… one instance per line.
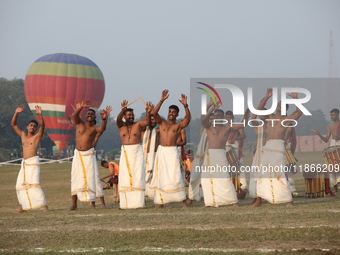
x=147, y=46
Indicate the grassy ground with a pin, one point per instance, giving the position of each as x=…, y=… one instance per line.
x=311, y=226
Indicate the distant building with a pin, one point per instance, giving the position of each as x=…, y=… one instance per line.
x=310, y=143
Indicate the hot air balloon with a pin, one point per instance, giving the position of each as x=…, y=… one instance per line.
x=55, y=82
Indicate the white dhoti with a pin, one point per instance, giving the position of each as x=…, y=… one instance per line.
x=334, y=178
x=29, y=192
x=273, y=185
x=83, y=175
x=195, y=191
x=241, y=175
x=167, y=181
x=149, y=142
x=216, y=184
x=131, y=185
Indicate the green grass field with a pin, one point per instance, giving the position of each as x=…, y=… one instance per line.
x=311, y=226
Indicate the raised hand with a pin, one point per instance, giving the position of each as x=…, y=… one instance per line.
x=105, y=113
x=165, y=94
x=269, y=92
x=20, y=109
x=149, y=107
x=124, y=104
x=82, y=104
x=183, y=99
x=38, y=110
x=293, y=95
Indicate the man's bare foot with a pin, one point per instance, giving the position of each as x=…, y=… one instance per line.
x=159, y=206
x=21, y=211
x=73, y=208
x=257, y=202
x=184, y=204
x=46, y=208
x=118, y=208
x=189, y=202
x=235, y=205
x=103, y=206
x=290, y=204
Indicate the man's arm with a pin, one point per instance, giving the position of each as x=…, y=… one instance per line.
x=241, y=135
x=119, y=121
x=263, y=102
x=80, y=105
x=205, y=118
x=184, y=101
x=38, y=111
x=324, y=138
x=182, y=139
x=147, y=121
x=104, y=114
x=14, y=125
x=297, y=113
x=165, y=95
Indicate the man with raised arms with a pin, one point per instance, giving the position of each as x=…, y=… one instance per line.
x=167, y=181
x=131, y=185
x=84, y=173
x=29, y=192
x=273, y=185
x=216, y=184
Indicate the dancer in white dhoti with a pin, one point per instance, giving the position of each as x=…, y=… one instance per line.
x=333, y=131
x=167, y=181
x=85, y=180
x=150, y=144
x=273, y=185
x=131, y=185
x=29, y=192
x=216, y=184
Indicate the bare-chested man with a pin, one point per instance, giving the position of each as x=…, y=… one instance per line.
x=131, y=183
x=167, y=181
x=217, y=186
x=29, y=192
x=333, y=131
x=273, y=185
x=85, y=178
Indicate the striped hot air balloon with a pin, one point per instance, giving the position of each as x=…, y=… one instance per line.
x=55, y=82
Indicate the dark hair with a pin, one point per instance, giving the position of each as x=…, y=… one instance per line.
x=91, y=110
x=229, y=113
x=287, y=106
x=189, y=151
x=103, y=162
x=128, y=110
x=174, y=107
x=335, y=110
x=34, y=121
x=219, y=110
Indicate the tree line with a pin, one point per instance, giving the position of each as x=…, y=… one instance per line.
x=12, y=94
